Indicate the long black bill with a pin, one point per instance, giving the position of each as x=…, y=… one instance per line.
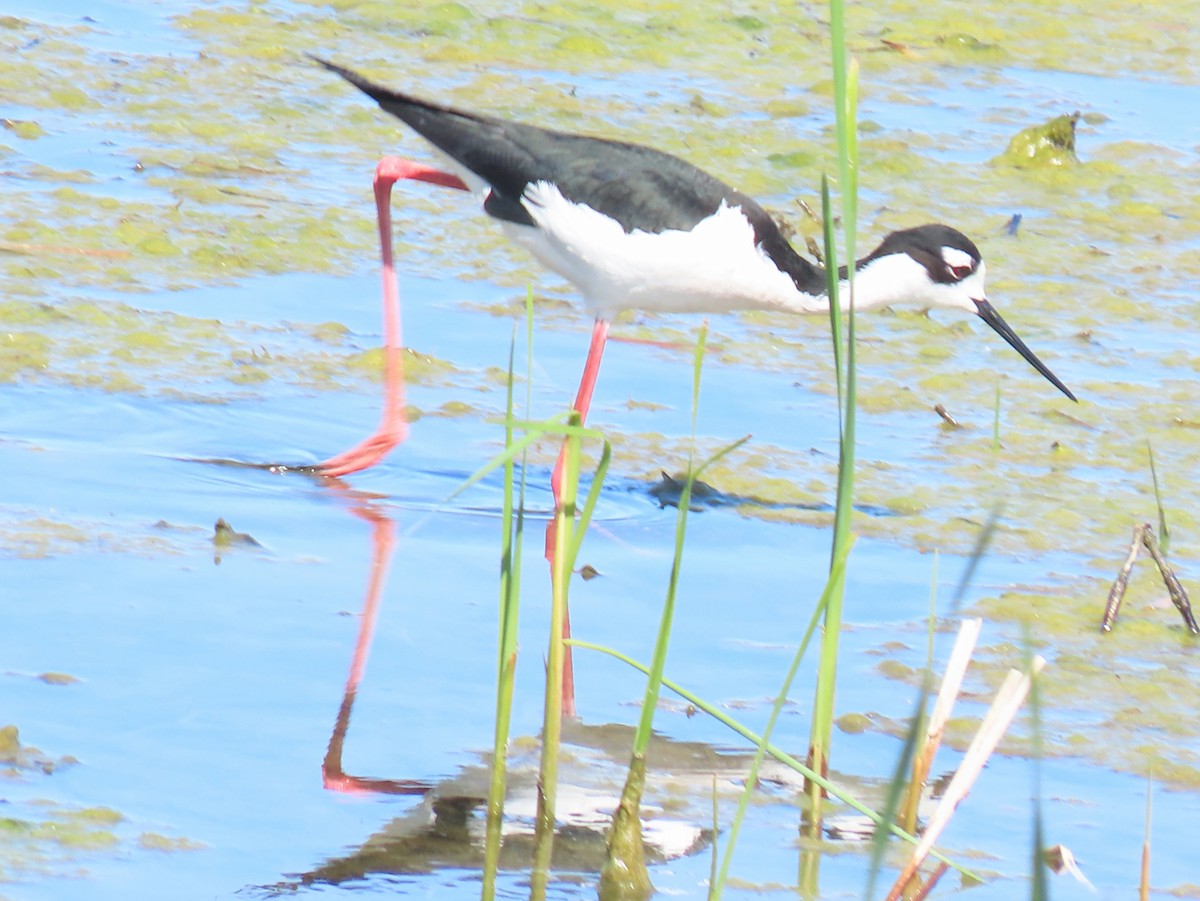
x=989, y=315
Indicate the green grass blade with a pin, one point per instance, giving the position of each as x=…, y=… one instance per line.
x=906, y=783
x=982, y=541
x=510, y=592
x=716, y=833
x=535, y=430
x=845, y=103
x=658, y=662
x=775, y=751
x=507, y=551
x=829, y=236
x=831, y=585
x=589, y=505
x=641, y=739
x=996, y=422
x=917, y=726
x=625, y=874
x=896, y=786
x=505, y=652
x=1164, y=534
x=547, y=784
x=1039, y=888
x=907, y=815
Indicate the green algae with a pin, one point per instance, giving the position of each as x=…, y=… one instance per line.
x=154, y=841
x=10, y=743
x=19, y=761
x=37, y=536
x=117, y=347
x=25, y=130
x=41, y=838
x=77, y=830
x=853, y=723
x=1051, y=144
x=225, y=536
x=22, y=352
x=418, y=367
x=797, y=159
x=46, y=839
x=99, y=816
x=453, y=409
x=1103, y=692
x=58, y=678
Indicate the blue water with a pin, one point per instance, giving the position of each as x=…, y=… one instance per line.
x=974, y=111
x=209, y=690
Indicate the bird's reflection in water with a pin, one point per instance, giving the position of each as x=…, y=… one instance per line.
x=445, y=829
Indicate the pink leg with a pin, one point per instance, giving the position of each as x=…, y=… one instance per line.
x=393, y=425
x=583, y=400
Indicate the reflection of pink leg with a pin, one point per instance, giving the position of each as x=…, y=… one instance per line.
x=393, y=426
x=383, y=543
x=583, y=400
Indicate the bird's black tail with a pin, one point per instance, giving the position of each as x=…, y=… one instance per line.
x=441, y=125
x=485, y=146
x=385, y=97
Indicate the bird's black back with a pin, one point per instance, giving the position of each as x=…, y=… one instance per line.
x=639, y=187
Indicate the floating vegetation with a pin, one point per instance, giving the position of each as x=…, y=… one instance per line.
x=45, y=838
x=17, y=759
x=1047, y=145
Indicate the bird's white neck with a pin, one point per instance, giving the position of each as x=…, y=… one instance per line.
x=880, y=283
x=896, y=278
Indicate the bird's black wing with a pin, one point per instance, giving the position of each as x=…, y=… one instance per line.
x=639, y=187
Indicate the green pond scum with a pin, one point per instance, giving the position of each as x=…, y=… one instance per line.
x=1047, y=145
x=41, y=837
x=48, y=839
x=17, y=760
x=208, y=177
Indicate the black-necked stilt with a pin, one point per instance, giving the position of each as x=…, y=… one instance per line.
x=636, y=228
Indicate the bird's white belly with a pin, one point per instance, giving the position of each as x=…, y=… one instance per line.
x=714, y=268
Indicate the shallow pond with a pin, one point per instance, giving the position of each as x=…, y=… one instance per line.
x=186, y=257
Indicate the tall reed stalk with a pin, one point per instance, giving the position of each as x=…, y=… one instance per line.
x=1164, y=533
x=568, y=536
x=812, y=777
x=547, y=786
x=763, y=741
x=624, y=875
x=845, y=82
x=1039, y=889
x=510, y=594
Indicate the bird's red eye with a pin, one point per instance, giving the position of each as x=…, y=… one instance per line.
x=960, y=272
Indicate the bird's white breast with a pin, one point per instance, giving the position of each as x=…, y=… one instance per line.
x=713, y=268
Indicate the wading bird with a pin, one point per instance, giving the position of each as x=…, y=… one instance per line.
x=636, y=228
